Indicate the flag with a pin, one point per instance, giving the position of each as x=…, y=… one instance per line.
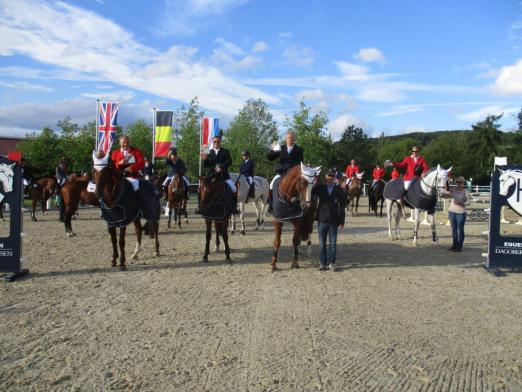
x=163, y=133
x=107, y=125
x=209, y=129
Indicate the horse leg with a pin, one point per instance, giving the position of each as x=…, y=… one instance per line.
x=296, y=240
x=278, y=227
x=416, y=222
x=389, y=217
x=400, y=213
x=208, y=236
x=170, y=213
x=139, y=230
x=242, y=217
x=382, y=202
x=433, y=228
x=185, y=210
x=156, y=239
x=179, y=211
x=216, y=247
x=357, y=206
x=33, y=213
x=224, y=233
x=114, y=242
x=233, y=228
x=123, y=230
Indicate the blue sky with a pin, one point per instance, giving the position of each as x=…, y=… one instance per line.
x=387, y=66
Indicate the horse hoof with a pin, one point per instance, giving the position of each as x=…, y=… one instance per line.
x=242, y=232
x=232, y=232
x=204, y=260
x=156, y=253
x=294, y=265
x=229, y=260
x=274, y=268
x=186, y=220
x=123, y=267
x=134, y=256
x=257, y=228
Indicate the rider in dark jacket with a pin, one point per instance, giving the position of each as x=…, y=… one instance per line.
x=174, y=166
x=246, y=169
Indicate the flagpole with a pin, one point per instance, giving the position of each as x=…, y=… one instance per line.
x=153, y=134
x=96, y=130
x=199, y=156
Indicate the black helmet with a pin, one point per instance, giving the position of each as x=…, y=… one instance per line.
x=418, y=170
x=245, y=153
x=173, y=151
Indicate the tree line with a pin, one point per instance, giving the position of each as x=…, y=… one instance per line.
x=469, y=152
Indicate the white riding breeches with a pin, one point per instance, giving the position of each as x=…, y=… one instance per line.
x=273, y=180
x=169, y=179
x=26, y=182
x=231, y=185
x=407, y=184
x=250, y=180
x=134, y=182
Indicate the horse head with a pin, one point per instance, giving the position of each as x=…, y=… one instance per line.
x=6, y=177
x=106, y=177
x=506, y=180
x=211, y=189
x=435, y=180
x=308, y=178
x=177, y=184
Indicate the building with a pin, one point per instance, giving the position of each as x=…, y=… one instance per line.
x=7, y=144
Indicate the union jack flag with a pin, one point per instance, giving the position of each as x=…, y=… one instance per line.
x=107, y=125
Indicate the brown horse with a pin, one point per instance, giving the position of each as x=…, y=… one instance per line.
x=376, y=195
x=296, y=186
x=75, y=191
x=353, y=193
x=176, y=198
x=119, y=200
x=212, y=194
x=40, y=191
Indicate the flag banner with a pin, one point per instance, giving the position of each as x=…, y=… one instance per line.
x=209, y=129
x=107, y=125
x=163, y=133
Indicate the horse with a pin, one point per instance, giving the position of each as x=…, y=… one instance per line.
x=260, y=200
x=212, y=205
x=295, y=186
x=353, y=193
x=376, y=195
x=430, y=183
x=75, y=191
x=121, y=205
x=176, y=198
x=40, y=191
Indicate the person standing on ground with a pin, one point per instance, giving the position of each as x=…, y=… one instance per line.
x=460, y=198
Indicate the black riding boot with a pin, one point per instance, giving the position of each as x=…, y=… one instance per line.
x=270, y=201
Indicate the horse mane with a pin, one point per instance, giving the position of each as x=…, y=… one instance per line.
x=293, y=175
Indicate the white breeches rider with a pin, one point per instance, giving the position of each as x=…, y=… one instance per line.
x=273, y=180
x=169, y=179
x=134, y=182
x=407, y=184
x=249, y=179
x=26, y=182
x=231, y=185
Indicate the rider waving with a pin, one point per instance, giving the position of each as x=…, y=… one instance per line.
x=128, y=160
x=413, y=165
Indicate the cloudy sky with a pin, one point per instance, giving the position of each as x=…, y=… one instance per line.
x=388, y=66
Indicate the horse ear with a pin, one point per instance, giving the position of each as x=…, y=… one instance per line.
x=438, y=167
x=302, y=167
x=449, y=170
x=318, y=170
x=94, y=155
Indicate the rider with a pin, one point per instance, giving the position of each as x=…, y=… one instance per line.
x=247, y=170
x=218, y=160
x=148, y=170
x=26, y=174
x=289, y=154
x=395, y=174
x=413, y=165
x=176, y=165
x=377, y=174
x=128, y=160
x=351, y=171
x=60, y=175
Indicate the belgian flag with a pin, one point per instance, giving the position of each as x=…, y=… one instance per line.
x=163, y=138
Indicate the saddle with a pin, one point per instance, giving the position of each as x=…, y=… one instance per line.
x=414, y=197
x=283, y=210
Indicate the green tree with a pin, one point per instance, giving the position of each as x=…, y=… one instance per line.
x=140, y=134
x=485, y=145
x=252, y=129
x=310, y=135
x=354, y=144
x=42, y=150
x=188, y=120
x=451, y=150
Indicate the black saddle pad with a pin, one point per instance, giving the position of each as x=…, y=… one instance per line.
x=125, y=210
x=222, y=209
x=418, y=199
x=149, y=198
x=283, y=210
x=394, y=189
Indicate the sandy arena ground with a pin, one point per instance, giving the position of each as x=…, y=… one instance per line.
x=392, y=318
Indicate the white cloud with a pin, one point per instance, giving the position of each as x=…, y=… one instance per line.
x=42, y=32
x=509, y=80
x=285, y=35
x=482, y=113
x=233, y=57
x=354, y=72
x=380, y=93
x=299, y=55
x=117, y=96
x=25, y=86
x=337, y=126
x=415, y=128
x=316, y=99
x=185, y=17
x=260, y=46
x=370, y=55
x=402, y=109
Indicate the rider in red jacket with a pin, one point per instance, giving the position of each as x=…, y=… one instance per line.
x=350, y=172
x=413, y=165
x=377, y=174
x=128, y=160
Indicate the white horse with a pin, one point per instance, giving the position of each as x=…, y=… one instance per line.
x=260, y=200
x=6, y=179
x=432, y=182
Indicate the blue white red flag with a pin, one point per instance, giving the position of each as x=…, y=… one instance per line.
x=209, y=129
x=107, y=125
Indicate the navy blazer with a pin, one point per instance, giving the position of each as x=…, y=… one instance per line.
x=175, y=167
x=330, y=208
x=222, y=158
x=287, y=160
x=247, y=168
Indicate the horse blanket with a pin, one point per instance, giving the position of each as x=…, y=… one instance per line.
x=414, y=197
x=132, y=204
x=282, y=210
x=221, y=209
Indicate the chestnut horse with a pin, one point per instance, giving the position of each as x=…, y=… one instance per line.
x=75, y=191
x=353, y=194
x=40, y=191
x=117, y=197
x=212, y=194
x=296, y=186
x=176, y=198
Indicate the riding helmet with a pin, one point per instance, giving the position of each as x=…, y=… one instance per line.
x=245, y=153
